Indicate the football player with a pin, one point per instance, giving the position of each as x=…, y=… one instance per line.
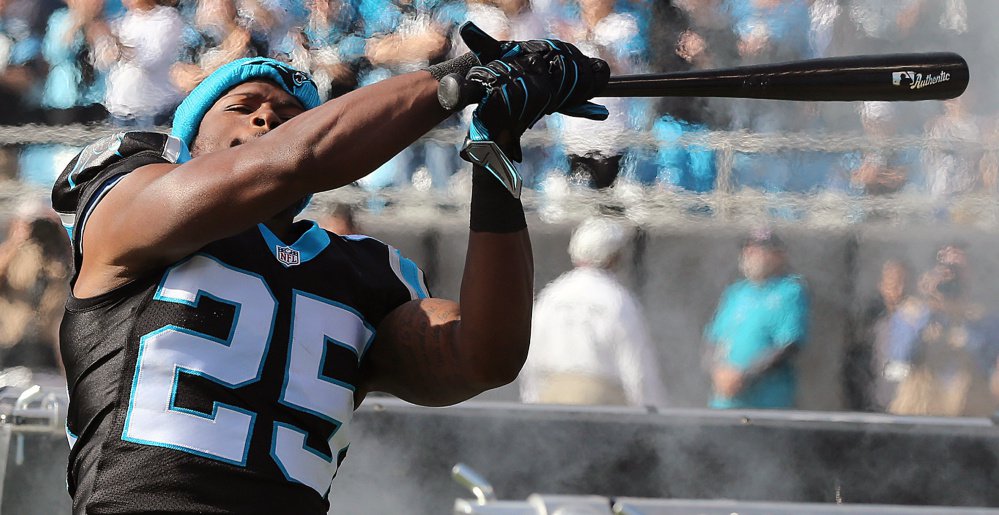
x=215, y=349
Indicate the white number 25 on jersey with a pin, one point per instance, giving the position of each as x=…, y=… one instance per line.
x=224, y=435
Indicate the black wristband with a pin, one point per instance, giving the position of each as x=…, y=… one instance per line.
x=459, y=65
x=493, y=207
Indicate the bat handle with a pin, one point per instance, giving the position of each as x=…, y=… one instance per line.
x=454, y=92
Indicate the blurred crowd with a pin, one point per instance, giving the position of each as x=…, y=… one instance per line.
x=35, y=266
x=924, y=345
x=130, y=62
x=921, y=347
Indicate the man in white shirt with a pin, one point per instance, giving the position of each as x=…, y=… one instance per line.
x=589, y=340
x=139, y=89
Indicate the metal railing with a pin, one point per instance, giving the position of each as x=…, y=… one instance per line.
x=655, y=205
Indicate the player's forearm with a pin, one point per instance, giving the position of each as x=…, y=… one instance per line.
x=436, y=352
x=497, y=292
x=346, y=138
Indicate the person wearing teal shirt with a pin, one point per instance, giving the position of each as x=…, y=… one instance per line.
x=760, y=322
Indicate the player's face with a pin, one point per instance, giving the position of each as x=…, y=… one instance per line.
x=246, y=112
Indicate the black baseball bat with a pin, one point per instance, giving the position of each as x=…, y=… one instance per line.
x=891, y=77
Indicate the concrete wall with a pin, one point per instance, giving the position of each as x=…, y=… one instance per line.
x=679, y=274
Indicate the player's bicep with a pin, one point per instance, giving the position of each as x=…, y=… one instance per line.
x=417, y=355
x=144, y=220
x=162, y=212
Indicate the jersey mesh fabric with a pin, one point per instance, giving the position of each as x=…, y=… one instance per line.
x=101, y=340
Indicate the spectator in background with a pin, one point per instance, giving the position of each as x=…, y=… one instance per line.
x=952, y=168
x=22, y=68
x=678, y=43
x=73, y=88
x=595, y=149
x=707, y=40
x=404, y=37
x=989, y=164
x=822, y=24
x=34, y=282
x=939, y=345
x=589, y=340
x=327, y=37
x=689, y=34
x=864, y=382
x=215, y=37
x=885, y=169
x=71, y=91
x=147, y=41
x=770, y=30
x=759, y=325
x=514, y=19
x=880, y=169
x=867, y=24
x=274, y=24
x=688, y=167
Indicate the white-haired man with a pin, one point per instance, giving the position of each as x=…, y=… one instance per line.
x=589, y=340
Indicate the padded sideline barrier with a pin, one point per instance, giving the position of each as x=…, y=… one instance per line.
x=401, y=456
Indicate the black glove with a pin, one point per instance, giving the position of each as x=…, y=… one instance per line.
x=548, y=76
x=487, y=49
x=523, y=81
x=531, y=79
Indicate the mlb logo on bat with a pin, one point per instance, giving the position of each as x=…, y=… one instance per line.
x=898, y=77
x=288, y=256
x=917, y=80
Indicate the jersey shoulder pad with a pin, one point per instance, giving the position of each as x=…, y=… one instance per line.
x=106, y=159
x=409, y=275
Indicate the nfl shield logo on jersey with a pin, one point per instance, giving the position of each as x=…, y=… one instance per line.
x=288, y=256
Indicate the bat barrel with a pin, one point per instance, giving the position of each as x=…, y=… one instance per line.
x=892, y=77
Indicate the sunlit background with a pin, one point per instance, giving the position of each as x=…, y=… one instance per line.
x=886, y=211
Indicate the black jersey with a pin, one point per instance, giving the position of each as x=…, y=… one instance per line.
x=223, y=383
